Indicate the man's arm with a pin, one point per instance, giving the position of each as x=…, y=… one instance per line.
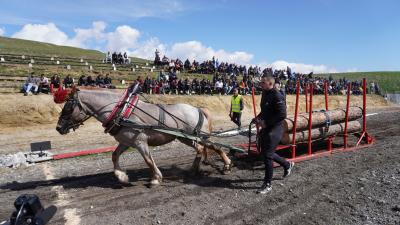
x=241, y=104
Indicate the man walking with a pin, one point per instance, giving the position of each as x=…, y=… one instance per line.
x=273, y=112
x=236, y=108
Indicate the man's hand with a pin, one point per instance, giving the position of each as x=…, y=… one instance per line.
x=259, y=122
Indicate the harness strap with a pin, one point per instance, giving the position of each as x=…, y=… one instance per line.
x=113, y=113
x=131, y=105
x=197, y=129
x=161, y=115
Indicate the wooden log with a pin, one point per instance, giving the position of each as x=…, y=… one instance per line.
x=319, y=118
x=322, y=132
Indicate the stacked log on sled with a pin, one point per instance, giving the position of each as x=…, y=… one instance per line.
x=324, y=124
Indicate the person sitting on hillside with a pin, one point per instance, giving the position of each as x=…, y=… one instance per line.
x=44, y=86
x=108, y=58
x=165, y=60
x=31, y=85
x=126, y=58
x=219, y=87
x=55, y=81
x=108, y=81
x=82, y=81
x=187, y=65
x=114, y=58
x=146, y=85
x=100, y=80
x=120, y=59
x=90, y=81
x=68, y=81
x=174, y=86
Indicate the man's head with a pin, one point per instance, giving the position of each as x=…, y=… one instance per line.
x=235, y=92
x=267, y=83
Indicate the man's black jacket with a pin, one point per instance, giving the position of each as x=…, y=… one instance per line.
x=273, y=108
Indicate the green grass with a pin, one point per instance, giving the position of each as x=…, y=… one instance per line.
x=25, y=47
x=389, y=82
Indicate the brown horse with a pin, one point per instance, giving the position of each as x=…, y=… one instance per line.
x=80, y=105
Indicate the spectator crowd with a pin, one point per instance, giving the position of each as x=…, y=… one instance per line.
x=117, y=58
x=229, y=76
x=36, y=85
x=222, y=79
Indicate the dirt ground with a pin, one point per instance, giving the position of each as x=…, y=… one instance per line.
x=356, y=187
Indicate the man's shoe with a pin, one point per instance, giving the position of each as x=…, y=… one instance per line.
x=265, y=188
x=288, y=171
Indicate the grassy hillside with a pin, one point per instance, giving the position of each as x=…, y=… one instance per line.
x=388, y=81
x=25, y=47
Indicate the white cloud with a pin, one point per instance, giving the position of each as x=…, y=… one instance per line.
x=299, y=67
x=196, y=50
x=124, y=38
x=83, y=36
x=42, y=32
x=2, y=31
x=146, y=49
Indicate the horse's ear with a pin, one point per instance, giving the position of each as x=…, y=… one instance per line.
x=60, y=95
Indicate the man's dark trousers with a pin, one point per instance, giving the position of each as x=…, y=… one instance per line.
x=270, y=138
x=236, y=118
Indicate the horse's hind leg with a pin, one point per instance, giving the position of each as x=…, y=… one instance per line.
x=199, y=153
x=224, y=157
x=143, y=148
x=121, y=175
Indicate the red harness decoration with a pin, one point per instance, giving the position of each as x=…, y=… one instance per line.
x=117, y=106
x=129, y=109
x=126, y=111
x=60, y=95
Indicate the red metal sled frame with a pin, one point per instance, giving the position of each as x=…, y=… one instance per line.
x=364, y=139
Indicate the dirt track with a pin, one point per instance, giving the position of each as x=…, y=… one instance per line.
x=360, y=187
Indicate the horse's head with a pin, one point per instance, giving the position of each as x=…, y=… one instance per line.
x=72, y=115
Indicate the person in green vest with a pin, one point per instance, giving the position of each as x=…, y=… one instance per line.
x=236, y=108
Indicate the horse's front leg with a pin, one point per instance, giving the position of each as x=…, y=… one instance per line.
x=119, y=173
x=143, y=148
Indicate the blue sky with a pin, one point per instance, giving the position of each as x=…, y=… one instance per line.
x=318, y=35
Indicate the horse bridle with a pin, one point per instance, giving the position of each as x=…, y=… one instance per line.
x=68, y=109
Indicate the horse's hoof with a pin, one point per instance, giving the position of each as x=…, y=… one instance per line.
x=227, y=169
x=122, y=177
x=154, y=183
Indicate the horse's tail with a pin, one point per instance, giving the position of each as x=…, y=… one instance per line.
x=209, y=118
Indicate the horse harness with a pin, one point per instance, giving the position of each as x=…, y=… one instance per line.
x=119, y=116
